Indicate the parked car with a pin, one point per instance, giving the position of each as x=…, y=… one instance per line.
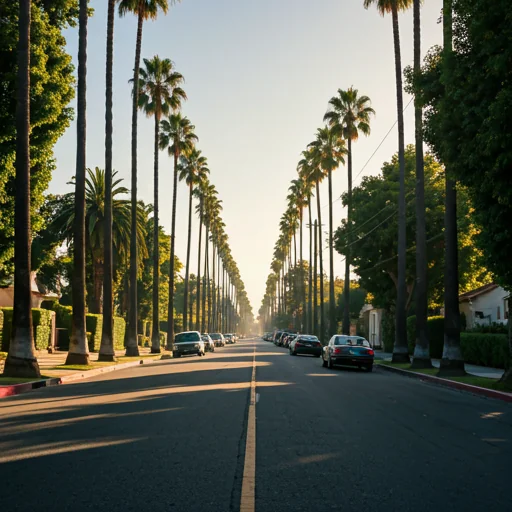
x=229, y=339
x=218, y=339
x=348, y=351
x=187, y=343
x=305, y=344
x=288, y=339
x=276, y=336
x=209, y=345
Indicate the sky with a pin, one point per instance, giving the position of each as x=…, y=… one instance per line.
x=258, y=76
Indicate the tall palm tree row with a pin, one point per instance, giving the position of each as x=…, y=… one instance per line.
x=144, y=10
x=350, y=114
x=160, y=92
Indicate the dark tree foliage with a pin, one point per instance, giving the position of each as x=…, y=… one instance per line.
x=50, y=93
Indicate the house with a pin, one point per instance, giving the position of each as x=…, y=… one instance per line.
x=38, y=296
x=372, y=320
x=485, y=305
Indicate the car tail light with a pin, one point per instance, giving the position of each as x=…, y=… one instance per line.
x=297, y=344
x=370, y=352
x=338, y=350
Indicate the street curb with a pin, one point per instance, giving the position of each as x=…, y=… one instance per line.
x=18, y=389
x=476, y=390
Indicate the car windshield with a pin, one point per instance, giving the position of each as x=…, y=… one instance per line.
x=215, y=336
x=187, y=337
x=352, y=341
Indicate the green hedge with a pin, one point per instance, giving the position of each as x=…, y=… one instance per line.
x=94, y=324
x=119, y=330
x=163, y=338
x=435, y=331
x=485, y=349
x=1, y=327
x=41, y=324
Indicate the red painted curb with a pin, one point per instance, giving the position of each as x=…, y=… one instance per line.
x=476, y=390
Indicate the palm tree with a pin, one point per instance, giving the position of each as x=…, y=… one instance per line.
x=107, y=352
x=78, y=347
x=21, y=360
x=350, y=115
x=193, y=171
x=317, y=175
x=97, y=224
x=328, y=150
x=400, y=349
x=299, y=197
x=144, y=10
x=452, y=362
x=178, y=137
x=160, y=91
x=421, y=357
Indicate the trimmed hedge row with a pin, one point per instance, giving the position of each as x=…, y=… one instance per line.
x=1, y=326
x=119, y=330
x=41, y=325
x=480, y=348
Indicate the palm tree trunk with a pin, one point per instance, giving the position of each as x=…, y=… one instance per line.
x=310, y=283
x=198, y=284
x=212, y=324
x=98, y=277
x=132, y=348
x=187, y=266
x=400, y=349
x=155, y=330
x=218, y=324
x=315, y=285
x=421, y=357
x=452, y=362
x=21, y=360
x=302, y=277
x=107, y=352
x=321, y=265
x=206, y=285
x=78, y=348
x=332, y=300
x=346, y=285
x=170, y=309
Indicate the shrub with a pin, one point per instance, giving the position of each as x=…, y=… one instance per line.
x=485, y=349
x=119, y=330
x=93, y=325
x=435, y=332
x=163, y=338
x=494, y=328
x=41, y=324
x=1, y=326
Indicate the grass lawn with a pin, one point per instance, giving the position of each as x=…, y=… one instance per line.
x=80, y=367
x=8, y=381
x=472, y=380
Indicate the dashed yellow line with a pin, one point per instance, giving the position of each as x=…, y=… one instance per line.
x=247, y=502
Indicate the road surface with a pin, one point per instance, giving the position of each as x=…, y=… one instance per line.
x=183, y=436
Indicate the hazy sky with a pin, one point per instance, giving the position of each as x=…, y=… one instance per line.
x=258, y=79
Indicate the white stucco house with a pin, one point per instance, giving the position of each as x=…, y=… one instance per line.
x=485, y=305
x=372, y=318
x=37, y=296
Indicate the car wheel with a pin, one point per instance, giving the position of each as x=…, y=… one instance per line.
x=369, y=368
x=317, y=355
x=324, y=363
x=329, y=364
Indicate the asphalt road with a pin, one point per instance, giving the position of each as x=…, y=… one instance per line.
x=172, y=436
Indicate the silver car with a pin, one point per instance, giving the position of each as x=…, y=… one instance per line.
x=188, y=343
x=209, y=346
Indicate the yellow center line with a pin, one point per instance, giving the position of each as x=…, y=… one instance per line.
x=247, y=502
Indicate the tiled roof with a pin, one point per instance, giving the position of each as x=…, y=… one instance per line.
x=486, y=288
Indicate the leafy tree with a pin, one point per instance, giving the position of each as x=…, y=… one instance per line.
x=468, y=121
x=374, y=227
x=51, y=90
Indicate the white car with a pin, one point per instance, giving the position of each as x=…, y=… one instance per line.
x=187, y=343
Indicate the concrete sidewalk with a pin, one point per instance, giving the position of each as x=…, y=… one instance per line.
x=48, y=362
x=479, y=371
